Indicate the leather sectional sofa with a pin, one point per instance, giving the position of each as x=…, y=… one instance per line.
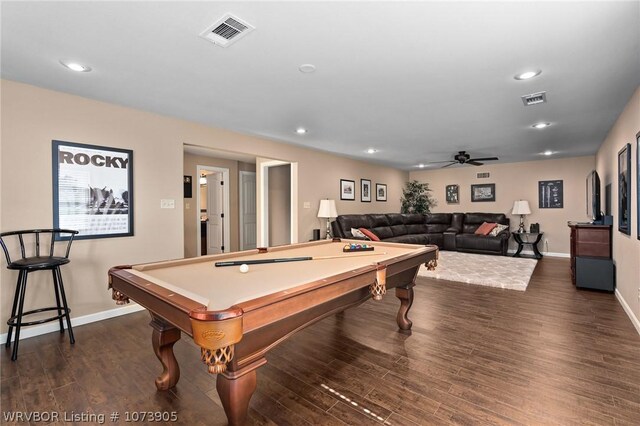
x=449, y=231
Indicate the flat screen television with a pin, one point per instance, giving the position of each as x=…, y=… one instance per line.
x=593, y=197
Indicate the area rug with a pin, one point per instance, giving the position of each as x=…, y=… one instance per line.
x=507, y=272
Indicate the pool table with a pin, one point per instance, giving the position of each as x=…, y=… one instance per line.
x=236, y=317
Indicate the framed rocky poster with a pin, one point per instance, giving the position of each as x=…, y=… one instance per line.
x=92, y=189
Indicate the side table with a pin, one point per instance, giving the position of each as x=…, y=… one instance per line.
x=528, y=238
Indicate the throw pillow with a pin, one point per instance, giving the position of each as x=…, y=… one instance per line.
x=485, y=228
x=358, y=233
x=369, y=234
x=498, y=229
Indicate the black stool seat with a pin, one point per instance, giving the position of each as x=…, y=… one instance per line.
x=31, y=262
x=38, y=262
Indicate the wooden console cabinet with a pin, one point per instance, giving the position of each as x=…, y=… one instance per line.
x=591, y=245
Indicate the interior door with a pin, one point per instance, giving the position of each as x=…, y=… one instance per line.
x=248, y=231
x=215, y=212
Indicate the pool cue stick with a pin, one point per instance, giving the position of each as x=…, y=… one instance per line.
x=289, y=259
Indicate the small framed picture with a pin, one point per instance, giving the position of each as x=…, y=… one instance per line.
x=365, y=190
x=624, y=190
x=187, y=186
x=483, y=192
x=453, y=194
x=347, y=189
x=381, y=192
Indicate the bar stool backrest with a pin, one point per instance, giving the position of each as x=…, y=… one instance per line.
x=29, y=242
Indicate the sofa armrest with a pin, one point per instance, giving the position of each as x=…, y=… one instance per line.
x=453, y=230
x=450, y=240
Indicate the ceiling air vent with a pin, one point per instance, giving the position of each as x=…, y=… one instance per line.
x=534, y=98
x=482, y=175
x=227, y=30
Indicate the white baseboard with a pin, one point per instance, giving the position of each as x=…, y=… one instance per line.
x=50, y=327
x=634, y=320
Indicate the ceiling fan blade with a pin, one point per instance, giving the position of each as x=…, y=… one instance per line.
x=449, y=165
x=475, y=163
x=483, y=159
x=433, y=162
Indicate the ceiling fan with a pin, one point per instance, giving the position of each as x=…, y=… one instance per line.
x=462, y=157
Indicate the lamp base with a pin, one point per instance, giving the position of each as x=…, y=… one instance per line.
x=521, y=227
x=328, y=236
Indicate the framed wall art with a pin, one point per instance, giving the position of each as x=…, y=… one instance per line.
x=483, y=192
x=187, y=180
x=92, y=189
x=347, y=189
x=550, y=194
x=452, y=193
x=365, y=190
x=638, y=181
x=381, y=192
x=624, y=190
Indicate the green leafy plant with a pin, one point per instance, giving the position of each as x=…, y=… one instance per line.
x=416, y=198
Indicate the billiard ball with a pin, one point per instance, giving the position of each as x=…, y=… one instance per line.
x=244, y=268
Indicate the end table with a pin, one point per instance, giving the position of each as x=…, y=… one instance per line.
x=528, y=238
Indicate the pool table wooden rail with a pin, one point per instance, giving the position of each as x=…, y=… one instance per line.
x=234, y=341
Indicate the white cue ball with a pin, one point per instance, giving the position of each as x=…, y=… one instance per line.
x=244, y=268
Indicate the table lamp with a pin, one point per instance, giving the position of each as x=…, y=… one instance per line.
x=327, y=210
x=521, y=207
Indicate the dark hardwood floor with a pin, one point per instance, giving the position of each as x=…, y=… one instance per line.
x=476, y=355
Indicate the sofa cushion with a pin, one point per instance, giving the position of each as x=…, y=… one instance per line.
x=371, y=235
x=396, y=220
x=383, y=232
x=410, y=239
x=485, y=228
x=347, y=221
x=472, y=221
x=415, y=223
x=498, y=229
x=478, y=243
x=437, y=239
x=378, y=220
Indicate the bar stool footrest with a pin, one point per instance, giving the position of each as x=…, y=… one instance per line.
x=13, y=323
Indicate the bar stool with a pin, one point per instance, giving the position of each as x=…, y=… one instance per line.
x=31, y=261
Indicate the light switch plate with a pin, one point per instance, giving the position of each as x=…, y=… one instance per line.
x=306, y=205
x=167, y=204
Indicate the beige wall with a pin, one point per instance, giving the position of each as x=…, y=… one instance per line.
x=192, y=212
x=32, y=117
x=519, y=181
x=626, y=248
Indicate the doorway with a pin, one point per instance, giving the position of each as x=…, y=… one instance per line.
x=277, y=209
x=247, y=201
x=213, y=202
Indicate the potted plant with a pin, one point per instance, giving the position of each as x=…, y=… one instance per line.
x=416, y=198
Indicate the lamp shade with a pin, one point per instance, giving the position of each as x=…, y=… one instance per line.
x=327, y=209
x=521, y=207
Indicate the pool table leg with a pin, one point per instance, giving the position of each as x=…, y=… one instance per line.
x=163, y=338
x=235, y=393
x=405, y=294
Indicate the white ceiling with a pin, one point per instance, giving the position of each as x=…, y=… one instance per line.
x=415, y=80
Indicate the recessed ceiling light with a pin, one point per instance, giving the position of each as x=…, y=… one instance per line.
x=301, y=130
x=541, y=125
x=527, y=75
x=421, y=166
x=74, y=66
x=371, y=151
x=547, y=153
x=307, y=68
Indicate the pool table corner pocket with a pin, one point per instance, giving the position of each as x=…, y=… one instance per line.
x=216, y=340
